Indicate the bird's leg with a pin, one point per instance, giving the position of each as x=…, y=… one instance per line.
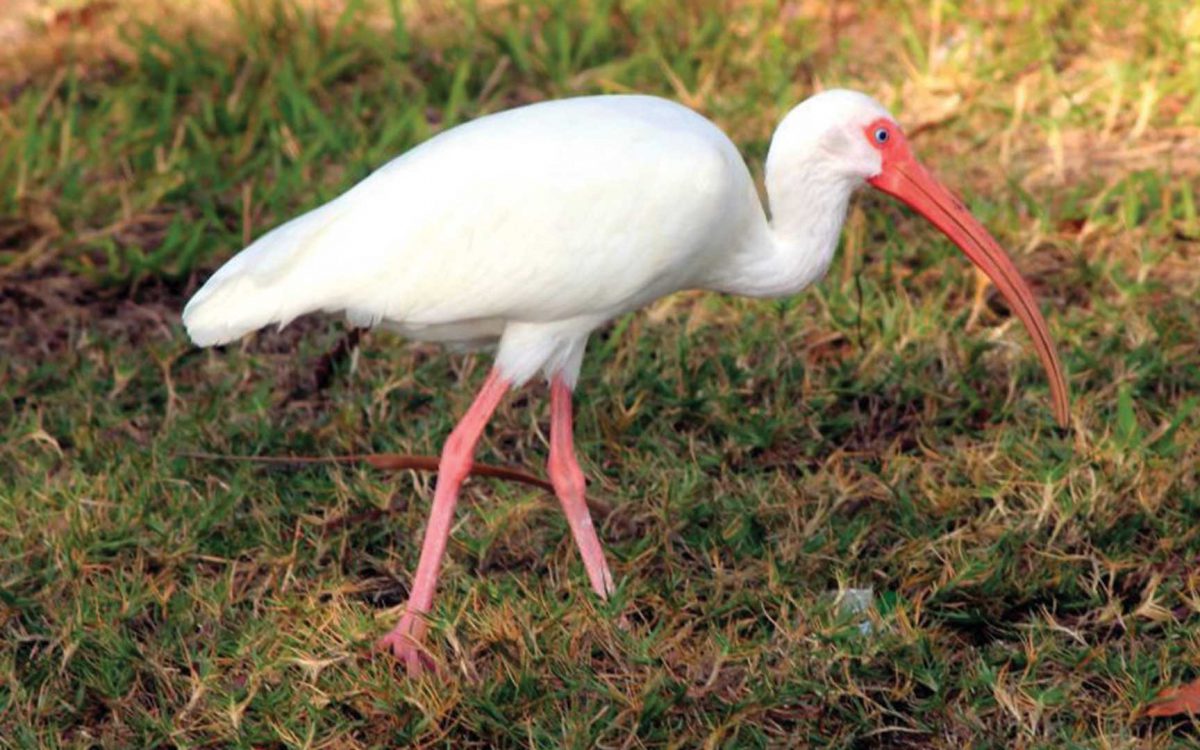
x=405, y=640
x=567, y=478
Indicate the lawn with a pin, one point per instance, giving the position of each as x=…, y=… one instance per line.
x=888, y=429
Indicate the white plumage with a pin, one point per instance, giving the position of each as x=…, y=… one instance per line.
x=532, y=227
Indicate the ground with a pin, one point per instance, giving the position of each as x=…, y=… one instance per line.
x=752, y=461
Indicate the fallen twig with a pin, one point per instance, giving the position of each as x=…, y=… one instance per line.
x=394, y=462
x=381, y=461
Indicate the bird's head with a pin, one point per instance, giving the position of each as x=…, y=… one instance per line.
x=855, y=139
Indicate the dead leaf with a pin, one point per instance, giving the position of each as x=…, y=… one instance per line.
x=1173, y=701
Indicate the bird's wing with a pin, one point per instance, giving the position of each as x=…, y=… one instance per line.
x=577, y=207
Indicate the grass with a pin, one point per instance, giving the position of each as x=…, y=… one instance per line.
x=1032, y=588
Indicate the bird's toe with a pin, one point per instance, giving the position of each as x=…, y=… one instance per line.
x=408, y=649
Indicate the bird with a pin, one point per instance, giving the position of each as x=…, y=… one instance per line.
x=525, y=230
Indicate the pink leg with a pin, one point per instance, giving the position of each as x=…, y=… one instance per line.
x=567, y=479
x=405, y=640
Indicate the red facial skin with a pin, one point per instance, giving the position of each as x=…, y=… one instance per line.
x=904, y=178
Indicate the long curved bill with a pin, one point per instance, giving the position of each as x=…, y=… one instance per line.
x=904, y=178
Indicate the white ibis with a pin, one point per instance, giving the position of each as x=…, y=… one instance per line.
x=529, y=228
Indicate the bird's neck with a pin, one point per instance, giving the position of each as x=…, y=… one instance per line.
x=793, y=248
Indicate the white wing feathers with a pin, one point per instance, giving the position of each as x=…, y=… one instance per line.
x=562, y=211
x=257, y=287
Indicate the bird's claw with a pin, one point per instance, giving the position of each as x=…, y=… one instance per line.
x=406, y=644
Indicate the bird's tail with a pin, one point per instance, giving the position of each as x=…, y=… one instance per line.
x=261, y=285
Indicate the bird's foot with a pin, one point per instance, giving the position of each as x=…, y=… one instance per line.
x=406, y=642
x=624, y=623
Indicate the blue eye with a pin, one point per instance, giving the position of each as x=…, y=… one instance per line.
x=882, y=135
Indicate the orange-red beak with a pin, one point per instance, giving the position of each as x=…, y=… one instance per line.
x=903, y=177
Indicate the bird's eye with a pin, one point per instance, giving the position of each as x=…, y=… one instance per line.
x=881, y=135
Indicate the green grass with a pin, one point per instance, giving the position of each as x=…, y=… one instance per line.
x=1033, y=588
